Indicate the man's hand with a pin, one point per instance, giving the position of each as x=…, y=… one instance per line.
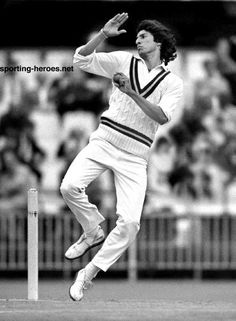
x=122, y=82
x=110, y=29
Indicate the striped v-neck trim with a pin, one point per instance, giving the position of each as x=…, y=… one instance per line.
x=151, y=86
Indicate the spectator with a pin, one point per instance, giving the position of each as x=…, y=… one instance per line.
x=77, y=91
x=16, y=130
x=227, y=159
x=15, y=90
x=13, y=122
x=15, y=180
x=14, y=85
x=160, y=165
x=228, y=117
x=70, y=147
x=29, y=151
x=183, y=135
x=213, y=86
x=225, y=52
x=209, y=179
x=181, y=177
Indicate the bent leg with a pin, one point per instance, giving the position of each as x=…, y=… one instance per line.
x=130, y=182
x=82, y=171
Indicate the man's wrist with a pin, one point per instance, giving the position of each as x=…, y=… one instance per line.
x=104, y=34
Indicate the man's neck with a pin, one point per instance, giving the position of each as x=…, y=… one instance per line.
x=152, y=61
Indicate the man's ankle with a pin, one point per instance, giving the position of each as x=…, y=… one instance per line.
x=93, y=232
x=91, y=270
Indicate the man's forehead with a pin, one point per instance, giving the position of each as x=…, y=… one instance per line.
x=142, y=32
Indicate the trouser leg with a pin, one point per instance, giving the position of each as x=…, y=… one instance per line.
x=82, y=171
x=130, y=183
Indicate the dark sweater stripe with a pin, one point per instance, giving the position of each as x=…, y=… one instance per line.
x=151, y=86
x=127, y=131
x=148, y=93
x=153, y=80
x=131, y=73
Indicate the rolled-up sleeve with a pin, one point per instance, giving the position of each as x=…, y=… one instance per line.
x=102, y=64
x=82, y=61
x=171, y=96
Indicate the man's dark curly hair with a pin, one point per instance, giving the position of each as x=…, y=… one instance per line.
x=163, y=35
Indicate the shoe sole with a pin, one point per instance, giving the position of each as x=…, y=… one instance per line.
x=89, y=248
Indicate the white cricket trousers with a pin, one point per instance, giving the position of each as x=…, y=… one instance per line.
x=130, y=179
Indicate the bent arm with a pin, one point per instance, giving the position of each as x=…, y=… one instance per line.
x=92, y=44
x=153, y=111
x=110, y=29
x=160, y=112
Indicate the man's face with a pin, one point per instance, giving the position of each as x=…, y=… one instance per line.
x=145, y=43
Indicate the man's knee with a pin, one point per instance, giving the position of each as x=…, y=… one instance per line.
x=129, y=228
x=69, y=190
x=134, y=226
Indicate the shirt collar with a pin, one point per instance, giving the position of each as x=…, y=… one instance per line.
x=155, y=68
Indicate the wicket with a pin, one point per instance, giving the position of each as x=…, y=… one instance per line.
x=32, y=244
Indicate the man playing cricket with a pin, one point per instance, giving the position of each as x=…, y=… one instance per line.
x=144, y=96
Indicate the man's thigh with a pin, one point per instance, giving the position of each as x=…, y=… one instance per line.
x=84, y=168
x=130, y=183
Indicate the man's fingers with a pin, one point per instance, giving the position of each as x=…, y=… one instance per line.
x=120, y=18
x=123, y=18
x=116, y=16
x=112, y=26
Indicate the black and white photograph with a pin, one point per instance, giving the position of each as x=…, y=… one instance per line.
x=118, y=160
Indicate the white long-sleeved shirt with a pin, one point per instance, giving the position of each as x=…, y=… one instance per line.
x=124, y=124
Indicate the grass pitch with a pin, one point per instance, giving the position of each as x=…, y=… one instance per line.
x=121, y=300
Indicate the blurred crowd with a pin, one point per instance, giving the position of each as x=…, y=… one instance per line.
x=194, y=160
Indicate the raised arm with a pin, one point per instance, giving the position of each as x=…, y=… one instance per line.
x=110, y=29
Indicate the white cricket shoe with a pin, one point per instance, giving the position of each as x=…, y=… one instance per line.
x=80, y=284
x=84, y=244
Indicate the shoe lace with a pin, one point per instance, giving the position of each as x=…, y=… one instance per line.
x=85, y=283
